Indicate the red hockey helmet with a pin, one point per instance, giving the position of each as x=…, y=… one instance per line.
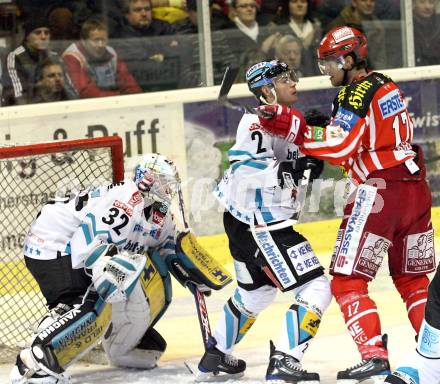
x=339, y=42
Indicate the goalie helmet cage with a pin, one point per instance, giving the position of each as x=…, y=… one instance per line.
x=29, y=176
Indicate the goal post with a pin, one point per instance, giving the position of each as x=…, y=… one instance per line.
x=30, y=175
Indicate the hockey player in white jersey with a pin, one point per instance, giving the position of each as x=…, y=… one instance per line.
x=88, y=253
x=260, y=192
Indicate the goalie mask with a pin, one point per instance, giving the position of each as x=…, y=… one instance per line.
x=156, y=178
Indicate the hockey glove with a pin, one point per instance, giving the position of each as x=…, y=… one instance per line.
x=291, y=172
x=276, y=120
x=315, y=117
x=115, y=277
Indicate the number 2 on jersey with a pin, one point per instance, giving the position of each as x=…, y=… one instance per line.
x=257, y=135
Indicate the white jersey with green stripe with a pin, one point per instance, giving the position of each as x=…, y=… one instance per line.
x=250, y=186
x=117, y=214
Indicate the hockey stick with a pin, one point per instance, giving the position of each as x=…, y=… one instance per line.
x=199, y=297
x=228, y=80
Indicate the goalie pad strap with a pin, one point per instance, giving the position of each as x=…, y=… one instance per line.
x=191, y=258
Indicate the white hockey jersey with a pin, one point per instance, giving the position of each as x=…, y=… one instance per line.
x=250, y=186
x=116, y=214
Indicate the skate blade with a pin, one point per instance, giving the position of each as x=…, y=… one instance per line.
x=371, y=380
x=210, y=377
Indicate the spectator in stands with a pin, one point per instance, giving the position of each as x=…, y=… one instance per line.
x=19, y=74
x=50, y=83
x=94, y=67
x=269, y=9
x=221, y=54
x=359, y=14
x=246, y=33
x=149, y=47
x=296, y=19
x=289, y=50
x=426, y=32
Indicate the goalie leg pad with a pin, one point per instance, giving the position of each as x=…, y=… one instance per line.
x=239, y=314
x=130, y=321
x=201, y=267
x=71, y=335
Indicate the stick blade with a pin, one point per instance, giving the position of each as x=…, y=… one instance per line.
x=229, y=77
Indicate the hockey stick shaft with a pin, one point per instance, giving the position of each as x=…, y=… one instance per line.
x=202, y=314
x=199, y=297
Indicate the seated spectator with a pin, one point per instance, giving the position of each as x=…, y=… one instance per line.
x=359, y=14
x=149, y=47
x=426, y=32
x=289, y=49
x=295, y=19
x=94, y=67
x=327, y=10
x=50, y=83
x=246, y=33
x=248, y=58
x=19, y=74
x=221, y=54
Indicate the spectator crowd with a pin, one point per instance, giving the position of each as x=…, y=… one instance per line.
x=94, y=48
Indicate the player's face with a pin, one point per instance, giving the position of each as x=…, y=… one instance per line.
x=139, y=14
x=285, y=88
x=333, y=68
x=424, y=8
x=298, y=8
x=96, y=43
x=39, y=39
x=53, y=78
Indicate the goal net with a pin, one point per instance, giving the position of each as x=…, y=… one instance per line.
x=29, y=176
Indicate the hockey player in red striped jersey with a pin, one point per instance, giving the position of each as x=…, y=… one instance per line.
x=388, y=213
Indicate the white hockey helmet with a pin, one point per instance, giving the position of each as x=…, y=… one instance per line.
x=157, y=178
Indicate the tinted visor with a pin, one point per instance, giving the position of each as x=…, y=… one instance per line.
x=286, y=77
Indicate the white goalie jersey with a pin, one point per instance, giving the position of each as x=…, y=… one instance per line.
x=250, y=187
x=115, y=214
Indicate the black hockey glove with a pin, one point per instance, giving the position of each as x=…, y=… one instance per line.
x=315, y=117
x=291, y=172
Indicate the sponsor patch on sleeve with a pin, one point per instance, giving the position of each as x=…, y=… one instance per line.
x=345, y=119
x=391, y=104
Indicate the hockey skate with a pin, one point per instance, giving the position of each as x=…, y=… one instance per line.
x=374, y=369
x=285, y=368
x=218, y=366
x=22, y=374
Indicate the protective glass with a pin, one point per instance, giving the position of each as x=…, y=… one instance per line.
x=331, y=65
x=286, y=78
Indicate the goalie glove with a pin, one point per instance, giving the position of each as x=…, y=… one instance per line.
x=115, y=277
x=279, y=120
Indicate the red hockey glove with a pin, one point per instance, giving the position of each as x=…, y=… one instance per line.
x=276, y=120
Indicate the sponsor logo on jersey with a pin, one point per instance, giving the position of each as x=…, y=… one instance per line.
x=254, y=127
x=138, y=228
x=345, y=119
x=342, y=34
x=292, y=155
x=274, y=258
x=357, y=94
x=59, y=323
x=124, y=207
x=133, y=247
x=303, y=258
x=158, y=217
x=391, y=104
x=135, y=199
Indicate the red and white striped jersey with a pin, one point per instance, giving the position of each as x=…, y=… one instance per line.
x=373, y=125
